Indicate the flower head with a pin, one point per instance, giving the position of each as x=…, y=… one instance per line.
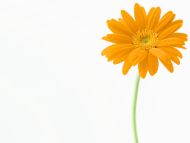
x=145, y=40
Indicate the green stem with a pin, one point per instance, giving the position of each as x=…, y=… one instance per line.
x=136, y=88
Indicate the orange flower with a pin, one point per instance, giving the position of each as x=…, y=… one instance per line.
x=144, y=40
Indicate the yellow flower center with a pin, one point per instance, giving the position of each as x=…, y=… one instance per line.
x=145, y=39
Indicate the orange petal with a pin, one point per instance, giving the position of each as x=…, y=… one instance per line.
x=168, y=65
x=149, y=16
x=140, y=16
x=152, y=64
x=165, y=21
x=109, y=49
x=117, y=38
x=180, y=46
x=115, y=47
x=136, y=56
x=139, y=58
x=126, y=67
x=143, y=67
x=163, y=58
x=130, y=22
x=121, y=57
x=170, y=42
x=153, y=17
x=127, y=28
x=117, y=27
x=118, y=53
x=175, y=59
x=182, y=36
x=170, y=29
x=172, y=51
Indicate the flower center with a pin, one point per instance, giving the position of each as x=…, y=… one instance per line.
x=145, y=39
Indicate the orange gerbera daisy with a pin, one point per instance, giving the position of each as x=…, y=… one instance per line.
x=144, y=40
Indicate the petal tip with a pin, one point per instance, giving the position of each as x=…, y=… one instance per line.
x=103, y=38
x=123, y=72
x=122, y=11
x=137, y=4
x=102, y=53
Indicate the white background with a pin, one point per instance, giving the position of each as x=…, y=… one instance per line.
x=55, y=87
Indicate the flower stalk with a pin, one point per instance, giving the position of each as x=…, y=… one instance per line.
x=134, y=108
